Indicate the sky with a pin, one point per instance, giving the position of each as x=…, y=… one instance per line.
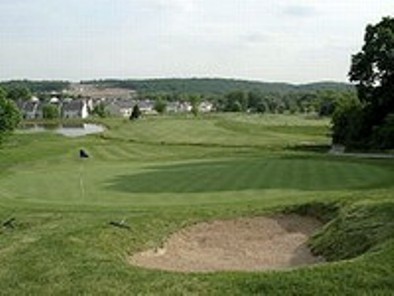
x=294, y=41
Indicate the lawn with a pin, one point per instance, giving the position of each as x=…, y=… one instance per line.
x=160, y=174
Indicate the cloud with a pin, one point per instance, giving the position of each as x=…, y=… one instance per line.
x=257, y=38
x=134, y=38
x=178, y=6
x=300, y=11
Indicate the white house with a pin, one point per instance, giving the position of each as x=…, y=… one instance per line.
x=205, y=107
x=178, y=107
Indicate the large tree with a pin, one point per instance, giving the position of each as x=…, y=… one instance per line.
x=372, y=70
x=19, y=93
x=50, y=112
x=135, y=113
x=373, y=67
x=160, y=106
x=9, y=115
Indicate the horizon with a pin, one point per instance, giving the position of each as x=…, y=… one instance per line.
x=292, y=41
x=175, y=78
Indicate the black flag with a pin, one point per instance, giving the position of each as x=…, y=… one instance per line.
x=83, y=154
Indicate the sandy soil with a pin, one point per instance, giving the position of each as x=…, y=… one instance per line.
x=248, y=244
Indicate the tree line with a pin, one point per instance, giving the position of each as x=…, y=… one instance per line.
x=322, y=102
x=33, y=86
x=213, y=86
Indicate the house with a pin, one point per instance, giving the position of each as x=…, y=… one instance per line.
x=185, y=107
x=39, y=111
x=125, y=107
x=120, y=107
x=146, y=107
x=205, y=107
x=75, y=109
x=172, y=107
x=113, y=109
x=178, y=107
x=29, y=109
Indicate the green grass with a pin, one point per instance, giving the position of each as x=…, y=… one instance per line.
x=162, y=173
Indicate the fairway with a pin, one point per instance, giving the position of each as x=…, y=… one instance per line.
x=161, y=174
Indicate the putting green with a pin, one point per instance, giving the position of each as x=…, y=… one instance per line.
x=128, y=183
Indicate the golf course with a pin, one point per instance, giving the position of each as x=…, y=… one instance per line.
x=72, y=225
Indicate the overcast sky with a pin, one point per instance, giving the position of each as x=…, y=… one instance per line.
x=283, y=40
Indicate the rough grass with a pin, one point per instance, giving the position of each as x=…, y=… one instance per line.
x=151, y=174
x=355, y=230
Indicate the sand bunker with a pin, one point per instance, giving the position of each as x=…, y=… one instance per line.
x=248, y=244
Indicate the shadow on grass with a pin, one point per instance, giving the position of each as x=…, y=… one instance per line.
x=310, y=148
x=250, y=174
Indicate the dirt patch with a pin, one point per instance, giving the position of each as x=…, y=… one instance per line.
x=248, y=244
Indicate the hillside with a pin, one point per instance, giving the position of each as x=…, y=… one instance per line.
x=214, y=86
x=36, y=86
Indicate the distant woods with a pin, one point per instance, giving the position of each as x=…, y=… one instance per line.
x=230, y=95
x=35, y=87
x=213, y=86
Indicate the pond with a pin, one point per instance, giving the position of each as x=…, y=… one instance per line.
x=68, y=130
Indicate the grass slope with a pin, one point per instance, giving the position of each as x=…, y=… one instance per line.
x=161, y=174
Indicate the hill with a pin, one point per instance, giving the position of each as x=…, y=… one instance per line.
x=214, y=86
x=36, y=86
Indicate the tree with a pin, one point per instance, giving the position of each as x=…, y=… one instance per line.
x=254, y=100
x=328, y=101
x=50, y=112
x=383, y=136
x=373, y=67
x=372, y=70
x=347, y=123
x=9, y=115
x=236, y=101
x=17, y=93
x=99, y=110
x=195, y=102
x=160, y=106
x=135, y=113
x=261, y=107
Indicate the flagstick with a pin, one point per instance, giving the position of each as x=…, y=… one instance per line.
x=81, y=180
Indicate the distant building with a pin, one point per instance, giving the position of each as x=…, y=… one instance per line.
x=75, y=109
x=172, y=107
x=205, y=107
x=126, y=107
x=29, y=109
x=54, y=100
x=178, y=107
x=147, y=107
x=185, y=107
x=35, y=99
x=113, y=109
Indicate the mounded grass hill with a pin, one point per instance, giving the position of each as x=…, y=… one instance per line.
x=160, y=174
